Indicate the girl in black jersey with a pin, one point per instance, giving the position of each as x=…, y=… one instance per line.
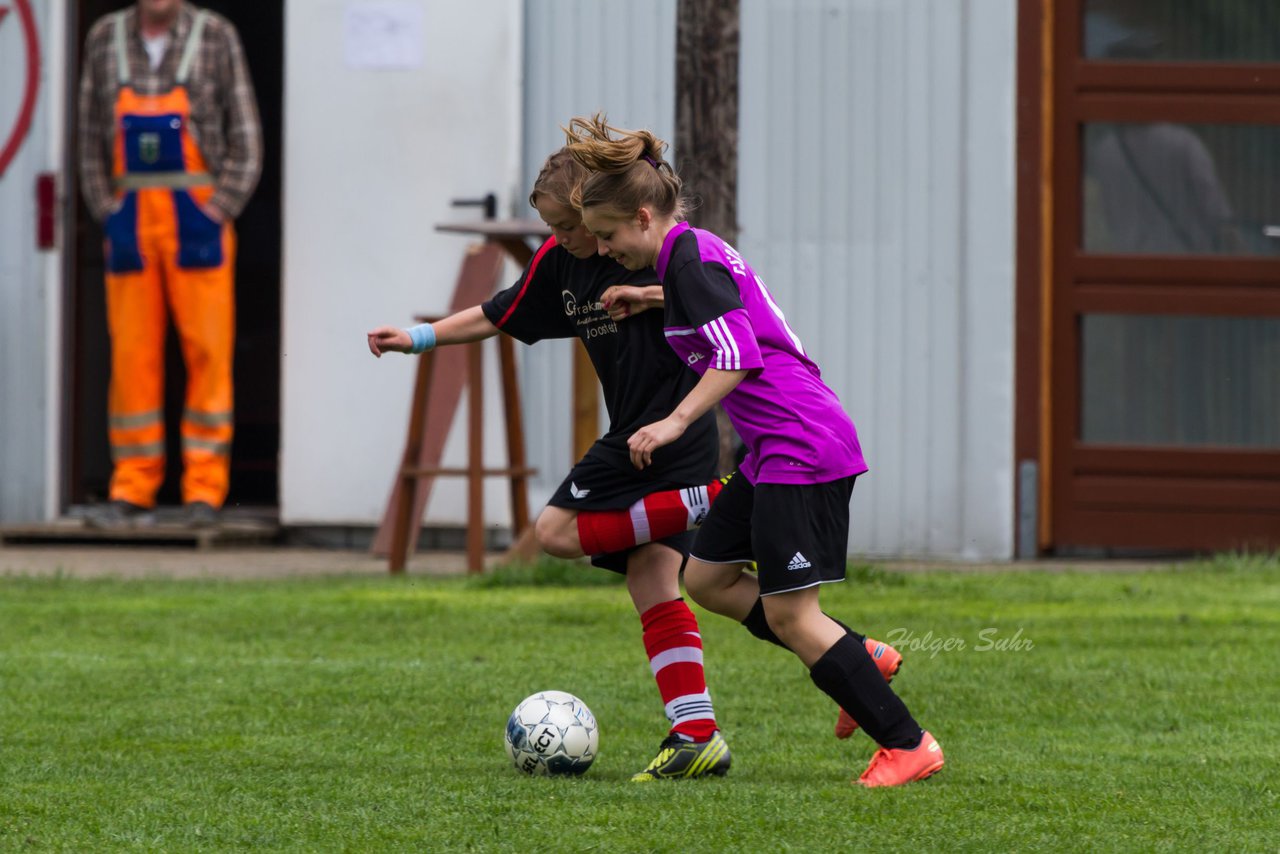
x=635, y=522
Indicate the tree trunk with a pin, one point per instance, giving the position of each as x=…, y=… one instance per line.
x=706, y=144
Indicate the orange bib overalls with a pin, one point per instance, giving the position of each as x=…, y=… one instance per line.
x=165, y=256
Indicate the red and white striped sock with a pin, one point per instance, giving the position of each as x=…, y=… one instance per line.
x=674, y=646
x=653, y=517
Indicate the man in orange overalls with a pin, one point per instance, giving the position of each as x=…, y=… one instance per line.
x=170, y=151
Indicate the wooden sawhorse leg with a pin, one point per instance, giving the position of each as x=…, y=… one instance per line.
x=407, y=495
x=411, y=475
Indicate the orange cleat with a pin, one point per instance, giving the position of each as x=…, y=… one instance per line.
x=889, y=660
x=899, y=767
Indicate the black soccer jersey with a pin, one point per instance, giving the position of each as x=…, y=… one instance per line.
x=558, y=296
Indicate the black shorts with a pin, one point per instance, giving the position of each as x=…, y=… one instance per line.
x=596, y=485
x=797, y=534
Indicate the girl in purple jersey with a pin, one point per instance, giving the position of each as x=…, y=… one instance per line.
x=630, y=521
x=788, y=508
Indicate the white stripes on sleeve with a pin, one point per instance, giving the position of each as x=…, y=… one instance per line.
x=727, y=356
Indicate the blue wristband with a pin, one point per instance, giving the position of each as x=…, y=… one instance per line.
x=423, y=337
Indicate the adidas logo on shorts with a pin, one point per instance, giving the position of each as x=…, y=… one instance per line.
x=799, y=562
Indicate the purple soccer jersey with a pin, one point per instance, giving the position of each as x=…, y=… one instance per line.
x=719, y=315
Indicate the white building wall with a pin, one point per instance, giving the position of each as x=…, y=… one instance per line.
x=30, y=280
x=372, y=161
x=876, y=198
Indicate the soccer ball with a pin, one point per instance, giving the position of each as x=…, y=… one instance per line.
x=552, y=732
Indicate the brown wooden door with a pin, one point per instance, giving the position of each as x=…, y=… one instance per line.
x=1164, y=361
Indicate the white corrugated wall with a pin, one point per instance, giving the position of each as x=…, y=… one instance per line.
x=582, y=56
x=876, y=199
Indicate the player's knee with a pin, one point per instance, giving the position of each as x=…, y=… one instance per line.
x=785, y=622
x=702, y=586
x=555, y=538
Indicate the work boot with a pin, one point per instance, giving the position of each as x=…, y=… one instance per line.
x=120, y=515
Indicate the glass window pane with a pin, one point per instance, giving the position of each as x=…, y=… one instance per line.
x=1182, y=30
x=1180, y=381
x=1172, y=189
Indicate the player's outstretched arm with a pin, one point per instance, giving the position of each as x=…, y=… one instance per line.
x=467, y=325
x=626, y=300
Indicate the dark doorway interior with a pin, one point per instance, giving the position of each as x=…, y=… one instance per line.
x=255, y=453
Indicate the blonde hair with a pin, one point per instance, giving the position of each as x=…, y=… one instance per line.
x=560, y=176
x=627, y=171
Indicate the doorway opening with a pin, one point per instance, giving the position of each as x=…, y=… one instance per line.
x=255, y=449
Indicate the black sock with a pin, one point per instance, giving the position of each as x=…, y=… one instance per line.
x=759, y=626
x=847, y=674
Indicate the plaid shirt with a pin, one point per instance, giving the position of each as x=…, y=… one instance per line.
x=224, y=114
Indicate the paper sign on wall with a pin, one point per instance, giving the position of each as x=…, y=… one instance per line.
x=384, y=34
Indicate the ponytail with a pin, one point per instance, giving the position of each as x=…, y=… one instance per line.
x=627, y=169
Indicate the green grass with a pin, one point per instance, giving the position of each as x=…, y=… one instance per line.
x=366, y=714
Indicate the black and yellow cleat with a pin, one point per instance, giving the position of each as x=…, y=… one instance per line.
x=678, y=758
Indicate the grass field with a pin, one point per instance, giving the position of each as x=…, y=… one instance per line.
x=1125, y=711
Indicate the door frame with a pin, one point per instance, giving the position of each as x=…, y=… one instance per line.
x=1120, y=497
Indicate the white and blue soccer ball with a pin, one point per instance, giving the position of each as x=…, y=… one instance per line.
x=552, y=732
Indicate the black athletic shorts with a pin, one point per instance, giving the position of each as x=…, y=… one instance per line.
x=798, y=535
x=596, y=485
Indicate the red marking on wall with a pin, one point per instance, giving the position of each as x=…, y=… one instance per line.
x=46, y=211
x=13, y=139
